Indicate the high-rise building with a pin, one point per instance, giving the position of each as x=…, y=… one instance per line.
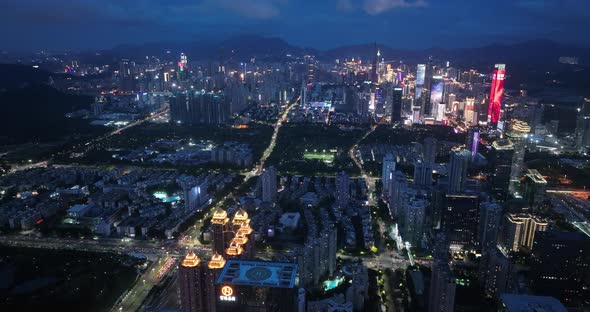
x=220, y=230
x=423, y=173
x=460, y=218
x=522, y=303
x=534, y=188
x=396, y=105
x=387, y=171
x=397, y=186
x=342, y=190
x=191, y=284
x=415, y=212
x=458, y=170
x=496, y=92
x=436, y=95
x=502, y=155
x=198, y=107
x=490, y=216
x=420, y=74
x=561, y=267
x=519, y=229
x=496, y=273
x=518, y=134
x=183, y=67
x=469, y=113
x=472, y=141
x=126, y=79
x=442, y=288
x=430, y=150
x=269, y=184
x=583, y=127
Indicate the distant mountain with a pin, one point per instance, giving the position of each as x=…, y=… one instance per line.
x=239, y=48
x=534, y=52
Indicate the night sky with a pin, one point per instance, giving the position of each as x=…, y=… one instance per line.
x=89, y=24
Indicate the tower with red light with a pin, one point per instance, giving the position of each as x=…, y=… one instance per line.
x=496, y=93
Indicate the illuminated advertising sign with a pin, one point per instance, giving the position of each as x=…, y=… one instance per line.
x=496, y=92
x=436, y=93
x=227, y=294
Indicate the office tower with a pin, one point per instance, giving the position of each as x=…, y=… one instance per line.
x=387, y=170
x=396, y=110
x=442, y=281
x=490, y=216
x=242, y=245
x=518, y=134
x=521, y=303
x=561, y=267
x=436, y=94
x=496, y=273
x=220, y=229
x=583, y=127
x=183, y=67
x=501, y=159
x=458, y=170
x=269, y=184
x=126, y=79
x=460, y=218
x=451, y=99
x=519, y=229
x=430, y=150
x=415, y=212
x=472, y=141
x=534, y=188
x=420, y=74
x=198, y=107
x=397, y=186
x=191, y=284
x=496, y=92
x=469, y=113
x=342, y=190
x=423, y=173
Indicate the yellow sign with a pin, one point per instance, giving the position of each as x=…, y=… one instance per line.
x=227, y=291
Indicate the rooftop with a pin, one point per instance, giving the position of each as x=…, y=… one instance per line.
x=525, y=303
x=258, y=273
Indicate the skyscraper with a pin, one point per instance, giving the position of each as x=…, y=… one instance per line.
x=517, y=134
x=430, y=150
x=502, y=155
x=496, y=92
x=519, y=230
x=442, y=281
x=460, y=218
x=269, y=184
x=469, y=113
x=458, y=170
x=415, y=212
x=490, y=216
x=396, y=111
x=472, y=141
x=583, y=127
x=387, y=171
x=199, y=107
x=342, y=190
x=191, y=284
x=561, y=267
x=397, y=186
x=496, y=274
x=420, y=74
x=423, y=173
x=534, y=188
x=220, y=229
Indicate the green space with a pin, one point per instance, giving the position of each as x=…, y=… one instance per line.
x=62, y=280
x=325, y=157
x=300, y=149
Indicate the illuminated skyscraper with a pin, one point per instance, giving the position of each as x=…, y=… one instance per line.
x=220, y=230
x=490, y=215
x=518, y=134
x=518, y=231
x=496, y=92
x=583, y=127
x=502, y=155
x=183, y=67
x=191, y=284
x=396, y=105
x=420, y=74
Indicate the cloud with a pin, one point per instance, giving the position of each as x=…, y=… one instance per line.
x=259, y=9
x=344, y=5
x=375, y=7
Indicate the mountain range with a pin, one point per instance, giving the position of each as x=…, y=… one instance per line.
x=244, y=47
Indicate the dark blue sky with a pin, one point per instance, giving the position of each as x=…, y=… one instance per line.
x=87, y=24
